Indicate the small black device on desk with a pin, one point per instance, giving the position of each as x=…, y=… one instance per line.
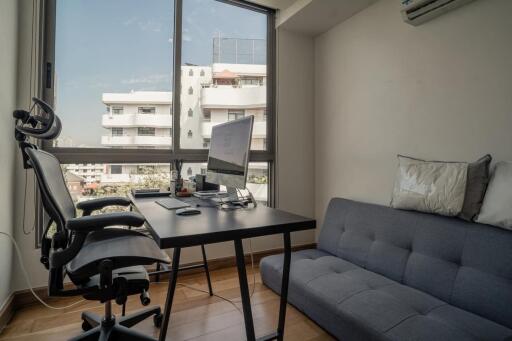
x=149, y=192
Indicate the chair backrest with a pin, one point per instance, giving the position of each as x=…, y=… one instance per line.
x=56, y=199
x=465, y=264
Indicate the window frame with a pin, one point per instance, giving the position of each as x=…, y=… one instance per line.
x=175, y=152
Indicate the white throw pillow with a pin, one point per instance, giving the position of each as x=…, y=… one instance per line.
x=430, y=186
x=497, y=207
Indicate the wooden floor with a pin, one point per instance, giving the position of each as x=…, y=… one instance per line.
x=195, y=315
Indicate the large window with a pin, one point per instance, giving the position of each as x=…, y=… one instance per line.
x=127, y=110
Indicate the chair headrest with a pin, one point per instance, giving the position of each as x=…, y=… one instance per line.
x=44, y=125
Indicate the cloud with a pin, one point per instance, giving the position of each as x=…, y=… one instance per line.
x=150, y=79
x=185, y=35
x=144, y=25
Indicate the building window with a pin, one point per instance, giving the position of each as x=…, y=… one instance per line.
x=116, y=169
x=190, y=91
x=264, y=114
x=190, y=134
x=147, y=110
x=189, y=171
x=117, y=110
x=206, y=143
x=250, y=81
x=108, y=108
x=190, y=113
x=117, y=132
x=202, y=73
x=145, y=131
x=235, y=114
x=191, y=72
x=207, y=115
x=264, y=144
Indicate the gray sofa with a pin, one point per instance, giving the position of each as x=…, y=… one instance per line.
x=385, y=274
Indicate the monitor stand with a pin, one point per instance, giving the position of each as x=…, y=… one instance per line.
x=232, y=198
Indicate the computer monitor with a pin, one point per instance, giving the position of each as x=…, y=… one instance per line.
x=228, y=158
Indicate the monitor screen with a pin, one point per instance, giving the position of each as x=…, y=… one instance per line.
x=229, y=153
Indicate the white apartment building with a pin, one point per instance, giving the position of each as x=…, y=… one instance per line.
x=209, y=95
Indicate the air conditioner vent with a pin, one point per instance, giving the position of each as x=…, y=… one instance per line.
x=416, y=12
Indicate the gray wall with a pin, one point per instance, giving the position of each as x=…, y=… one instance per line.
x=440, y=91
x=8, y=64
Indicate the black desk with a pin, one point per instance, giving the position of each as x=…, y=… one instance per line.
x=214, y=225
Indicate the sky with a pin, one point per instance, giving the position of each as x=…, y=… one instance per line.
x=123, y=45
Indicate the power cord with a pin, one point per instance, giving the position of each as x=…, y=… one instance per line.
x=25, y=204
x=230, y=301
x=27, y=279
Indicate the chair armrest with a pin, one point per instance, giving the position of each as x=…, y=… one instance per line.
x=100, y=221
x=99, y=203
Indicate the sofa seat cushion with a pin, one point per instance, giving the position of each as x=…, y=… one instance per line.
x=356, y=304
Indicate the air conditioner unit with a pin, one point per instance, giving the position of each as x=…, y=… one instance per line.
x=416, y=12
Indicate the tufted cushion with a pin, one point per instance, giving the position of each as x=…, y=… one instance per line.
x=356, y=304
x=465, y=264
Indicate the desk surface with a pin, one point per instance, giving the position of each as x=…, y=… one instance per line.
x=214, y=225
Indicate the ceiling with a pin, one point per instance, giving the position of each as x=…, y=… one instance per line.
x=313, y=17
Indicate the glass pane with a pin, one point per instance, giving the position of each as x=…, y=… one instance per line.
x=223, y=71
x=93, y=180
x=257, y=178
x=113, y=73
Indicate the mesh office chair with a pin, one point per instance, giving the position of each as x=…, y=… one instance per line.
x=103, y=263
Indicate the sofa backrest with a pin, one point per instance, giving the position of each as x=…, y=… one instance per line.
x=465, y=264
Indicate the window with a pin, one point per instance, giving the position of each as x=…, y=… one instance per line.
x=191, y=72
x=147, y=110
x=207, y=115
x=145, y=131
x=117, y=132
x=117, y=110
x=189, y=171
x=190, y=113
x=122, y=86
x=235, y=114
x=250, y=81
x=116, y=169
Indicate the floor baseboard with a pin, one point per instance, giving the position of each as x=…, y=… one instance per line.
x=23, y=298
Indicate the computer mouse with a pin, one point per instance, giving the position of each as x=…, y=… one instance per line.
x=188, y=211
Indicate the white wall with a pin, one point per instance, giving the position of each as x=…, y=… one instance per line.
x=441, y=91
x=8, y=65
x=295, y=151
x=295, y=121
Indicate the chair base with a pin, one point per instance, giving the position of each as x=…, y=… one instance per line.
x=98, y=328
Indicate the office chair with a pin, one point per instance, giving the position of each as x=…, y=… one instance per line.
x=103, y=263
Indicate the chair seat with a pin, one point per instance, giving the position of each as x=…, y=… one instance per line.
x=124, y=247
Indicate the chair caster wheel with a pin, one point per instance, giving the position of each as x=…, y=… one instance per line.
x=86, y=326
x=157, y=320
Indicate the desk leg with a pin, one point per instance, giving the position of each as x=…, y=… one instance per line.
x=244, y=290
x=284, y=285
x=206, y=270
x=173, y=277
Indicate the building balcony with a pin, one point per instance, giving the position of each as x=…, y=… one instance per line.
x=258, y=130
x=136, y=120
x=136, y=141
x=236, y=98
